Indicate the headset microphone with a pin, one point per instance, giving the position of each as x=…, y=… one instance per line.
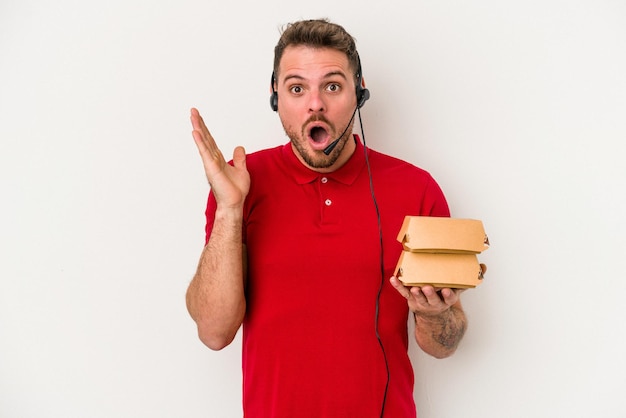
x=333, y=144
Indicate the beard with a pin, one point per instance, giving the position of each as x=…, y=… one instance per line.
x=316, y=159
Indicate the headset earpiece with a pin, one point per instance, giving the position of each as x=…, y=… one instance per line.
x=274, y=96
x=362, y=94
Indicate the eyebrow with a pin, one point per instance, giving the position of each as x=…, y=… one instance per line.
x=327, y=75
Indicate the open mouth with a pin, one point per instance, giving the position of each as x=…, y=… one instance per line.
x=318, y=134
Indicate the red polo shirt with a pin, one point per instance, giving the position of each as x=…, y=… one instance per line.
x=309, y=342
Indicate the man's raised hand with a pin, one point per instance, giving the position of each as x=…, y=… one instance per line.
x=229, y=183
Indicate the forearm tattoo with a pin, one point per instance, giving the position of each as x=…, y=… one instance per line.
x=448, y=328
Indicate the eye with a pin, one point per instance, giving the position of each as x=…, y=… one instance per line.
x=295, y=89
x=333, y=87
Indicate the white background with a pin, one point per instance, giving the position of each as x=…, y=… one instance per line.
x=517, y=108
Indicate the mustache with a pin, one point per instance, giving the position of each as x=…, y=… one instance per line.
x=318, y=118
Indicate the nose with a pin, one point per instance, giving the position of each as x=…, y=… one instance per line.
x=316, y=102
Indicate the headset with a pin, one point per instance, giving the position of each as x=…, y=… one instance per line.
x=362, y=94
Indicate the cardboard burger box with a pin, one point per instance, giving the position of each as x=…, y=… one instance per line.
x=441, y=252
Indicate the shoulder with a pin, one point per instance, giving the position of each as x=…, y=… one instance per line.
x=411, y=189
x=393, y=166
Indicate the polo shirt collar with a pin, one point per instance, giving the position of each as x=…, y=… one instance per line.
x=346, y=174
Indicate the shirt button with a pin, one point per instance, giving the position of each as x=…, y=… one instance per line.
x=324, y=180
x=328, y=202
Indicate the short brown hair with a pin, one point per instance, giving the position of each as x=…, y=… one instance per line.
x=317, y=33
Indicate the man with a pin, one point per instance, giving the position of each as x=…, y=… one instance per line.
x=301, y=240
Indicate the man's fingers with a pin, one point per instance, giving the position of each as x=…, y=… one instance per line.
x=397, y=284
x=198, y=125
x=199, y=140
x=431, y=295
x=196, y=120
x=239, y=157
x=451, y=296
x=206, y=151
x=204, y=140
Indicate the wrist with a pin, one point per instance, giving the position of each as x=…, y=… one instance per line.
x=229, y=211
